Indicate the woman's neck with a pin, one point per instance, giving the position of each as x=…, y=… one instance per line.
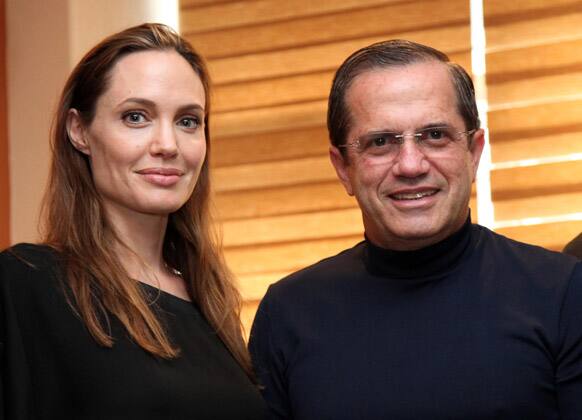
x=140, y=250
x=142, y=239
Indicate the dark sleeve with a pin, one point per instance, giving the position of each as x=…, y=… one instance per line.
x=569, y=360
x=15, y=401
x=268, y=361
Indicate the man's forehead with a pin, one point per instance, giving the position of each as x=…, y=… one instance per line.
x=425, y=84
x=430, y=72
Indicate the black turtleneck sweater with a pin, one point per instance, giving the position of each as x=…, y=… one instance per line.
x=475, y=327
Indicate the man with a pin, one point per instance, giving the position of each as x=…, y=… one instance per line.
x=430, y=317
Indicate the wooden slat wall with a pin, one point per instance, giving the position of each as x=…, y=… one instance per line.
x=4, y=161
x=272, y=63
x=534, y=78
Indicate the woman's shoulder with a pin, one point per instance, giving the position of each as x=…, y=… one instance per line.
x=29, y=258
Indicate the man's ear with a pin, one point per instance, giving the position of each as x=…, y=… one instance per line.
x=341, y=164
x=476, y=149
x=76, y=132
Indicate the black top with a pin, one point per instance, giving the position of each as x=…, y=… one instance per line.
x=475, y=327
x=51, y=368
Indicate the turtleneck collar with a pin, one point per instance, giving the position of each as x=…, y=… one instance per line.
x=432, y=261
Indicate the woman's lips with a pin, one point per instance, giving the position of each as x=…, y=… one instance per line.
x=164, y=177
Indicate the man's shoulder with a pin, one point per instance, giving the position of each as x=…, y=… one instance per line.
x=317, y=276
x=520, y=253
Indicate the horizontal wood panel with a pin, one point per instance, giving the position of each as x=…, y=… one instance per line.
x=537, y=147
x=188, y=3
x=254, y=286
x=270, y=174
x=546, y=205
x=296, y=227
x=555, y=88
x=542, y=30
x=261, y=93
x=552, y=236
x=321, y=29
x=530, y=181
x=292, y=143
x=535, y=91
x=285, y=117
x=247, y=316
x=454, y=40
x=286, y=256
x=241, y=13
x=496, y=10
x=539, y=60
x=535, y=120
x=283, y=200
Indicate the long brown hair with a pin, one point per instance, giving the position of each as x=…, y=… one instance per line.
x=75, y=223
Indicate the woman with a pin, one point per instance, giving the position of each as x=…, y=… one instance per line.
x=126, y=310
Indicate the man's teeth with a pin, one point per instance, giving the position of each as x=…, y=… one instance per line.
x=413, y=196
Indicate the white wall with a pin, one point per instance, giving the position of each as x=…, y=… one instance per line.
x=45, y=38
x=91, y=20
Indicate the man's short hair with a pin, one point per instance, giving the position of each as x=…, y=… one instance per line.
x=393, y=53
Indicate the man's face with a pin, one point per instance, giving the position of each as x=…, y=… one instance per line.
x=420, y=195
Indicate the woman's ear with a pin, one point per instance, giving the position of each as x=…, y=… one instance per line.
x=76, y=132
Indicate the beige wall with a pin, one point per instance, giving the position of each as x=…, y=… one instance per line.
x=44, y=40
x=4, y=180
x=37, y=61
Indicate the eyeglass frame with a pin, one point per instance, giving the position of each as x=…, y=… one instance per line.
x=401, y=137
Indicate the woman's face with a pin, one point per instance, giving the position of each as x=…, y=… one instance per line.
x=146, y=143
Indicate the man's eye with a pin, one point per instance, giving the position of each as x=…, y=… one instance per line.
x=435, y=134
x=383, y=139
x=379, y=141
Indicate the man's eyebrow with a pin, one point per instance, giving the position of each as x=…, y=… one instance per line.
x=435, y=124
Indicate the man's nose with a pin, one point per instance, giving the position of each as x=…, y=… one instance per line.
x=411, y=160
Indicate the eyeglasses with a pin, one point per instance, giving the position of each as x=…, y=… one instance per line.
x=386, y=144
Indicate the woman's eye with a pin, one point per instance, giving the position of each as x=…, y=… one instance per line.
x=134, y=118
x=189, y=122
